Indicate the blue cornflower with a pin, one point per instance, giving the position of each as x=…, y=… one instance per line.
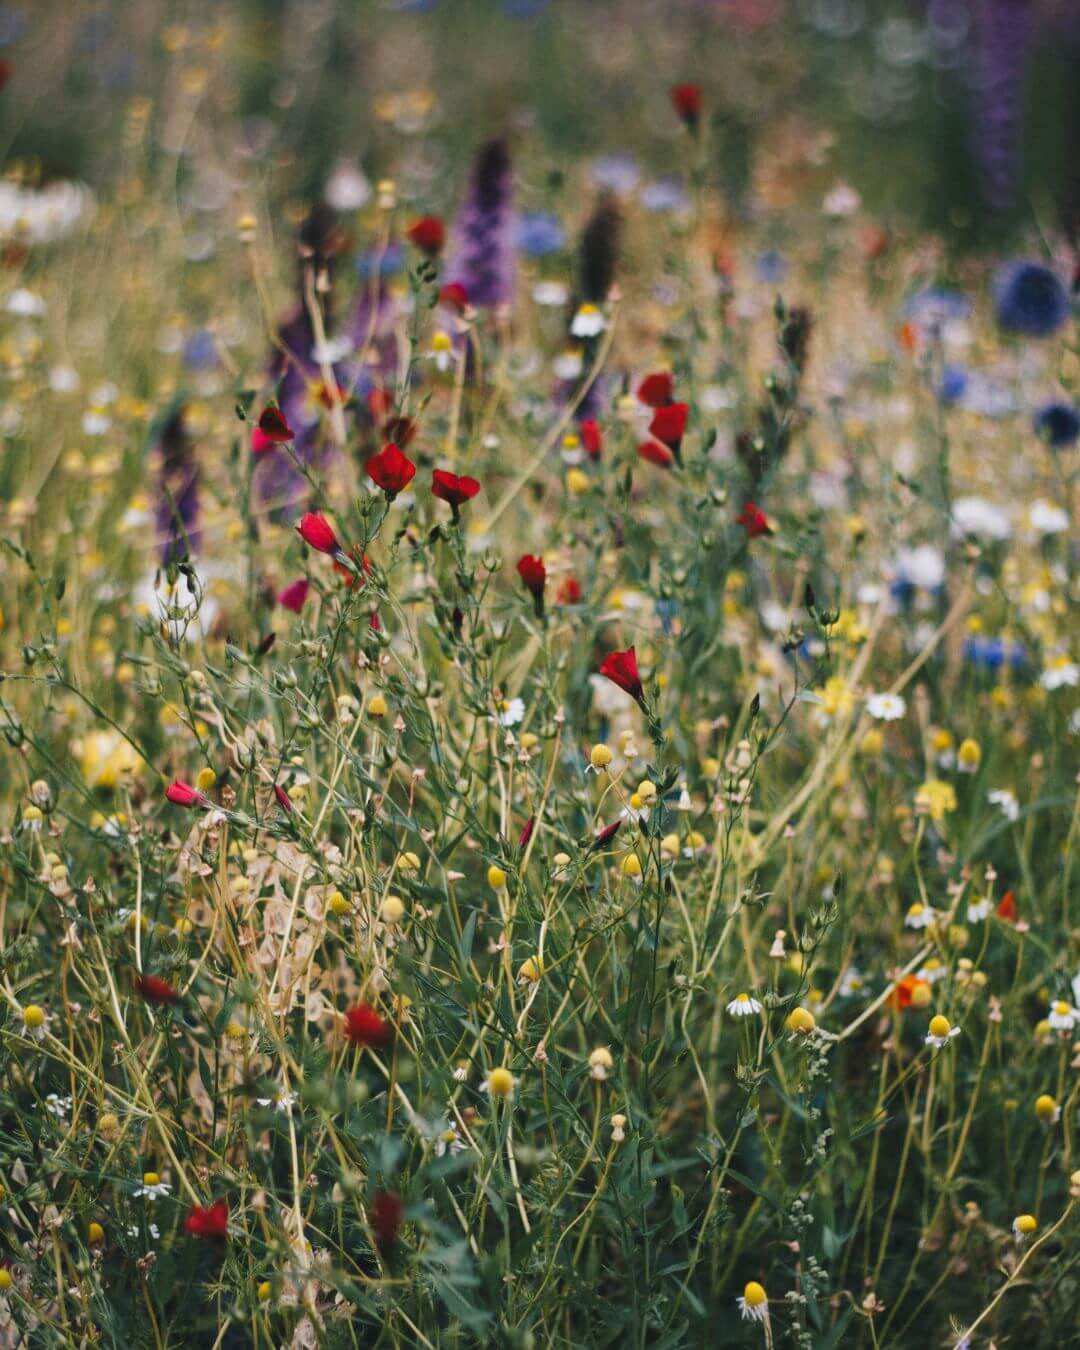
x=770, y=266
x=540, y=233
x=1058, y=424
x=200, y=351
x=933, y=308
x=953, y=386
x=991, y=653
x=1030, y=299
x=390, y=262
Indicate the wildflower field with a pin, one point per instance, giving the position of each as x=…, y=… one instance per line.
x=539, y=674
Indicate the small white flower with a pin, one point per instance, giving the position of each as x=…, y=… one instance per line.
x=1010, y=807
x=511, y=712
x=153, y=1189
x=886, y=707
x=552, y=293
x=742, y=1005
x=26, y=304
x=939, y=1041
x=588, y=322
x=841, y=200
x=95, y=422
x=920, y=916
x=1047, y=517
x=280, y=1101
x=568, y=365
x=1063, y=1016
x=979, y=910
x=448, y=1141
x=851, y=982
x=977, y=516
x=1061, y=673
x=151, y=1228
x=57, y=1106
x=461, y=1073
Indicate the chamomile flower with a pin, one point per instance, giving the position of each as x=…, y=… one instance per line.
x=920, y=916
x=742, y=1005
x=1047, y=1109
x=448, y=1141
x=58, y=1106
x=280, y=1101
x=35, y=1022
x=600, y=758
x=979, y=909
x=1063, y=1016
x=151, y=1228
x=886, y=707
x=935, y=799
x=600, y=1063
x=500, y=1082
x=1024, y=1226
x=152, y=1186
x=968, y=755
x=753, y=1303
x=940, y=1032
x=851, y=982
x=1061, y=673
x=588, y=322
x=511, y=712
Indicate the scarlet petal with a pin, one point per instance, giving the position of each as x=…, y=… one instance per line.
x=210, y=1223
x=183, y=794
x=655, y=390
x=1007, y=908
x=364, y=1026
x=428, y=234
x=385, y=1216
x=448, y=487
x=293, y=596
x=621, y=669
x=390, y=470
x=273, y=425
x=686, y=99
x=317, y=532
x=156, y=990
x=533, y=573
x=592, y=437
x=283, y=799
x=669, y=424
x=655, y=453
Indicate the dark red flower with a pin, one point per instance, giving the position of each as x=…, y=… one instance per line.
x=293, y=596
x=183, y=794
x=317, y=532
x=374, y=623
x=533, y=573
x=273, y=427
x=401, y=429
x=686, y=99
x=591, y=437
x=385, y=1216
x=5, y=73
x=669, y=424
x=455, y=296
x=569, y=592
x=448, y=487
x=1007, y=907
x=211, y=1223
x=354, y=575
x=155, y=990
x=754, y=521
x=364, y=1026
x=283, y=799
x=428, y=234
x=526, y=834
x=656, y=390
x=656, y=453
x=606, y=835
x=380, y=404
x=390, y=470
x=621, y=669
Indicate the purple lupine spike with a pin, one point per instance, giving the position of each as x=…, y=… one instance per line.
x=1003, y=31
x=482, y=241
x=177, y=515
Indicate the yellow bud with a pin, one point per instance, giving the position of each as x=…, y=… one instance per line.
x=631, y=866
x=95, y=1234
x=408, y=862
x=5, y=1280
x=1046, y=1108
x=392, y=909
x=600, y=756
x=108, y=1122
x=500, y=1082
x=531, y=969
x=1025, y=1223
x=939, y=1025
x=754, y=1295
x=577, y=482
x=646, y=791
x=33, y=1016
x=802, y=1021
x=264, y=1291
x=338, y=904
x=669, y=845
x=205, y=780
x=151, y=1179
x=496, y=877
x=377, y=706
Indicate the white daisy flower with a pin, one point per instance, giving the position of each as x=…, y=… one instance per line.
x=941, y=1032
x=979, y=910
x=280, y=1101
x=152, y=1186
x=1047, y=518
x=851, y=982
x=742, y=1005
x=920, y=916
x=57, y=1106
x=1061, y=673
x=753, y=1303
x=886, y=707
x=553, y=293
x=151, y=1228
x=448, y=1141
x=1063, y=1016
x=511, y=712
x=588, y=322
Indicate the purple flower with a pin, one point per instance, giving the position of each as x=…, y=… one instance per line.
x=1030, y=299
x=1003, y=35
x=177, y=515
x=482, y=243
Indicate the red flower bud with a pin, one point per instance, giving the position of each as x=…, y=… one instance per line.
x=655, y=453
x=569, y=592
x=533, y=573
x=526, y=834
x=293, y=596
x=455, y=296
x=591, y=437
x=428, y=234
x=1007, y=907
x=211, y=1223
x=655, y=390
x=316, y=531
x=621, y=668
x=448, y=487
x=364, y=1026
x=753, y=520
x=182, y=794
x=390, y=470
x=606, y=835
x=283, y=799
x=385, y=1217
x=686, y=99
x=155, y=990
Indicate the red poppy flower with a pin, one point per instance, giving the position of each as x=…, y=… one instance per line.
x=448, y=487
x=428, y=234
x=569, y=592
x=385, y=1216
x=182, y=794
x=211, y=1223
x=686, y=99
x=621, y=668
x=455, y=296
x=754, y=521
x=283, y=799
x=273, y=425
x=533, y=573
x=390, y=470
x=592, y=437
x=316, y=531
x=293, y=596
x=155, y=990
x=655, y=453
x=364, y=1026
x=669, y=424
x=655, y=390
x=1007, y=908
